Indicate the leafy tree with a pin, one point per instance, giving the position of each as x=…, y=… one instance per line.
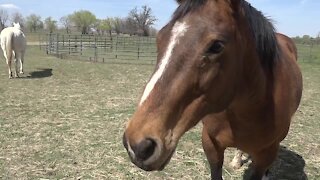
x=105, y=25
x=83, y=20
x=306, y=37
x=109, y=24
x=66, y=21
x=117, y=22
x=142, y=19
x=34, y=22
x=50, y=24
x=3, y=18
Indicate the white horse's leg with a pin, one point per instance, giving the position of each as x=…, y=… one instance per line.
x=21, y=62
x=8, y=61
x=16, y=60
x=237, y=160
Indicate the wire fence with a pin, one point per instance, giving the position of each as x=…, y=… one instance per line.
x=121, y=49
x=309, y=53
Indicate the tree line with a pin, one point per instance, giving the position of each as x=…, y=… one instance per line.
x=138, y=22
x=306, y=39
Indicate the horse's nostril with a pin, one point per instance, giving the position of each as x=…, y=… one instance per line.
x=145, y=149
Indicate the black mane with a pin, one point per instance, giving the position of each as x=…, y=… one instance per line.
x=185, y=7
x=262, y=29
x=264, y=34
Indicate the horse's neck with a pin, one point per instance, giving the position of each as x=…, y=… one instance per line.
x=254, y=87
x=16, y=31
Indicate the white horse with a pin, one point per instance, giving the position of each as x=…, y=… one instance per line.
x=13, y=43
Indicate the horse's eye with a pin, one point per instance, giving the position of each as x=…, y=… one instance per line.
x=216, y=48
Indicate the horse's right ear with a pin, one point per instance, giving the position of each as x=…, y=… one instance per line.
x=179, y=1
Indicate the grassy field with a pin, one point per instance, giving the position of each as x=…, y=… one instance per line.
x=64, y=119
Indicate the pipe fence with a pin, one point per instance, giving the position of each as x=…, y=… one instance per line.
x=122, y=49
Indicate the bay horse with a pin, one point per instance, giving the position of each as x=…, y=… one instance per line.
x=220, y=62
x=13, y=44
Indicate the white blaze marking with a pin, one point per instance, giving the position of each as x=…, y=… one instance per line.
x=265, y=177
x=131, y=151
x=178, y=31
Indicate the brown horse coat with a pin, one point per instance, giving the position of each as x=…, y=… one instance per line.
x=220, y=62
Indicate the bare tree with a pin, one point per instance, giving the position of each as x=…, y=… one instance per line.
x=17, y=18
x=143, y=19
x=153, y=31
x=129, y=26
x=34, y=22
x=50, y=24
x=3, y=18
x=67, y=23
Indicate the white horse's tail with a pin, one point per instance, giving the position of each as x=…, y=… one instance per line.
x=7, y=44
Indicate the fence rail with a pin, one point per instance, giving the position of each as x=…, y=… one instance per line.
x=101, y=48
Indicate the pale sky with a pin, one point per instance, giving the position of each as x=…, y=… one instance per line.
x=292, y=17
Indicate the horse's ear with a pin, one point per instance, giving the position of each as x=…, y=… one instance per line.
x=235, y=4
x=179, y=1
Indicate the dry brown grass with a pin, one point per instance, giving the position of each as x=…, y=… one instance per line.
x=69, y=125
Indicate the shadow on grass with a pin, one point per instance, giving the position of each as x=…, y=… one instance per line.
x=289, y=165
x=41, y=73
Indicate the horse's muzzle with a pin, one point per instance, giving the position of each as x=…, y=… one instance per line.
x=142, y=152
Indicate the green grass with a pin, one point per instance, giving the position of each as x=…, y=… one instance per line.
x=69, y=125
x=309, y=53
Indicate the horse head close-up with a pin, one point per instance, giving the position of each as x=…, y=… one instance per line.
x=220, y=62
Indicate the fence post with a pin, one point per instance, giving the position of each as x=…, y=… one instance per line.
x=69, y=45
x=310, y=52
x=81, y=45
x=47, y=44
x=57, y=44
x=76, y=43
x=95, y=49
x=117, y=48
x=40, y=41
x=105, y=44
x=63, y=41
x=50, y=43
x=111, y=43
x=139, y=41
